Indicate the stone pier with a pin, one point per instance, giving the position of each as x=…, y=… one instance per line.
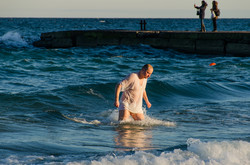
x=213, y=43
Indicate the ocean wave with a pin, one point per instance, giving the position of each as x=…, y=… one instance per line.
x=219, y=153
x=205, y=153
x=199, y=90
x=13, y=39
x=163, y=90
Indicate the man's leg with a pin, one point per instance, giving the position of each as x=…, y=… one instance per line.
x=137, y=116
x=215, y=25
x=123, y=115
x=201, y=25
x=203, y=29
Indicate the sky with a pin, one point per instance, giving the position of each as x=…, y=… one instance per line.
x=119, y=8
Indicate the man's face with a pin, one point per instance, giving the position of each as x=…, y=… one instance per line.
x=147, y=73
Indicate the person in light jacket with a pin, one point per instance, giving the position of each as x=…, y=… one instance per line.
x=202, y=14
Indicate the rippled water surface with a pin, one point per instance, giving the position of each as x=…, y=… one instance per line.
x=56, y=105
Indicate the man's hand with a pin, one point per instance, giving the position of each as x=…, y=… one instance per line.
x=148, y=104
x=116, y=104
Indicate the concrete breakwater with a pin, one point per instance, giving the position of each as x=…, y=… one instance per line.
x=218, y=43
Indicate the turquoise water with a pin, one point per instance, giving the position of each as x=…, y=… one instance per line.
x=56, y=105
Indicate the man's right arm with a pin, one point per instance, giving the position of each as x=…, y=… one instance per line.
x=117, y=94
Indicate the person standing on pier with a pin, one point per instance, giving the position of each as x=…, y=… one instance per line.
x=134, y=89
x=215, y=13
x=202, y=14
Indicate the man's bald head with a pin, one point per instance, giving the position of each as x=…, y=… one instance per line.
x=147, y=66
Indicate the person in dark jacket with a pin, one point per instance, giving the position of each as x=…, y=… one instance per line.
x=215, y=11
x=202, y=14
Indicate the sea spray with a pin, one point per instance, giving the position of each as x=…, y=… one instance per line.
x=147, y=122
x=225, y=152
x=112, y=119
x=13, y=39
x=82, y=120
x=218, y=153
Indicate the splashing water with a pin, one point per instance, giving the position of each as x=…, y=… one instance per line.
x=13, y=39
x=148, y=121
x=112, y=118
x=83, y=121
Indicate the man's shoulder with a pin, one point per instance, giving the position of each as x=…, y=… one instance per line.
x=132, y=76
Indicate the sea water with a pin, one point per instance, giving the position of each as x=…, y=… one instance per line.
x=56, y=105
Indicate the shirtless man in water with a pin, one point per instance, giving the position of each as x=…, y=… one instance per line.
x=133, y=88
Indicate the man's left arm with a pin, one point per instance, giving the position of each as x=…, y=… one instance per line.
x=145, y=97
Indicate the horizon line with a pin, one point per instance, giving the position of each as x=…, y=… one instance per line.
x=125, y=17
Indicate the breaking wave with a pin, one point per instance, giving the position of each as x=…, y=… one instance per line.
x=13, y=39
x=197, y=153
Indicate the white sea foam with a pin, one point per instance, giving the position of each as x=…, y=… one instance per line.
x=92, y=92
x=112, y=116
x=198, y=153
x=235, y=152
x=82, y=120
x=13, y=39
x=149, y=121
x=79, y=120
